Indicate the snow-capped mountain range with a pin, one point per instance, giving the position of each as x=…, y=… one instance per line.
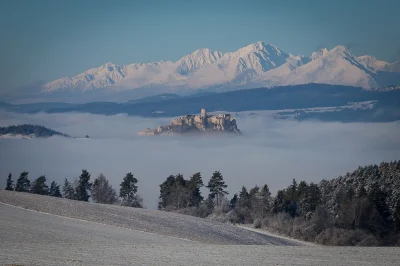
x=256, y=65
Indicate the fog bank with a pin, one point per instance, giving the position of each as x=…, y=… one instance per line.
x=270, y=151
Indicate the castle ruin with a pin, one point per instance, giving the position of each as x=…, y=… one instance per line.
x=197, y=124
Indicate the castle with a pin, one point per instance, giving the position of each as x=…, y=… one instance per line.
x=197, y=124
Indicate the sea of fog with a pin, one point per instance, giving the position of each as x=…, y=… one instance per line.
x=270, y=151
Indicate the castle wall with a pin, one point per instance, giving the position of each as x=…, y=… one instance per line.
x=203, y=113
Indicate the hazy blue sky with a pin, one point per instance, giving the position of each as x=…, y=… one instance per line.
x=44, y=40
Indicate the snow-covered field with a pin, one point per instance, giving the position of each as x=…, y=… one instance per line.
x=152, y=221
x=40, y=230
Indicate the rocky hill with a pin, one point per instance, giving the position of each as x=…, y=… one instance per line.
x=202, y=123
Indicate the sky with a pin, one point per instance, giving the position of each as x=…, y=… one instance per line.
x=44, y=40
x=269, y=152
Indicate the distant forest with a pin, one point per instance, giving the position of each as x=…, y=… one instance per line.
x=361, y=208
x=278, y=98
x=30, y=130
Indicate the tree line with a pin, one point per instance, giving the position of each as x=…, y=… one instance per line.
x=359, y=208
x=81, y=189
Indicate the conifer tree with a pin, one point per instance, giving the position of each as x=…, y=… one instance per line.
x=39, y=186
x=291, y=197
x=83, y=187
x=216, y=185
x=9, y=185
x=310, y=198
x=396, y=217
x=378, y=197
x=166, y=193
x=54, y=190
x=68, y=190
x=244, y=198
x=128, y=191
x=23, y=183
x=232, y=202
x=279, y=201
x=181, y=193
x=266, y=200
x=194, y=185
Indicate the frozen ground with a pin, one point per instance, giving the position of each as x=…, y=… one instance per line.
x=115, y=235
x=152, y=221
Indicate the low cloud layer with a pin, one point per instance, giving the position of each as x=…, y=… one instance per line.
x=270, y=151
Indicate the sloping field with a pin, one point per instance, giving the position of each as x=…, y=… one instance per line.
x=161, y=223
x=40, y=230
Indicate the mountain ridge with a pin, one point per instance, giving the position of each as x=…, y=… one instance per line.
x=257, y=64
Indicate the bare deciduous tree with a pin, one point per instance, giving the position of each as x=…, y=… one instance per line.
x=102, y=191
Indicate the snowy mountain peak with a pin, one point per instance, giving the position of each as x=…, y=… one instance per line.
x=109, y=64
x=257, y=58
x=205, y=52
x=197, y=59
x=340, y=50
x=319, y=53
x=257, y=47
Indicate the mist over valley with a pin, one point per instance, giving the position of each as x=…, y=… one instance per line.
x=269, y=152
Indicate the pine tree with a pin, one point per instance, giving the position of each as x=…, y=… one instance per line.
x=291, y=199
x=266, y=200
x=102, y=192
x=314, y=197
x=39, y=186
x=216, y=185
x=396, y=217
x=181, y=193
x=194, y=185
x=165, y=199
x=279, y=202
x=128, y=192
x=68, y=190
x=9, y=185
x=378, y=197
x=256, y=202
x=83, y=187
x=54, y=190
x=244, y=198
x=292, y=191
x=361, y=192
x=23, y=184
x=233, y=201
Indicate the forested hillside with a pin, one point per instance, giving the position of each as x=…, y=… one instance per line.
x=30, y=130
x=359, y=208
x=280, y=98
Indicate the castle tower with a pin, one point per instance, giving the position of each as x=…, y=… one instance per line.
x=203, y=113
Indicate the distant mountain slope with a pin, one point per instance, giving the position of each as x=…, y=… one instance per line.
x=373, y=63
x=386, y=108
x=337, y=66
x=257, y=64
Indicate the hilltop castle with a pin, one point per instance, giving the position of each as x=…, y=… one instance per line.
x=197, y=124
